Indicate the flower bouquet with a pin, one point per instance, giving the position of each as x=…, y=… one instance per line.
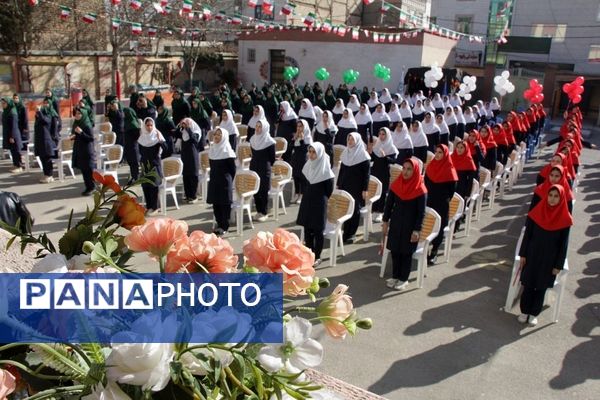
x=105, y=240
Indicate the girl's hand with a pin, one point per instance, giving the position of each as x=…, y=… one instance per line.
x=415, y=237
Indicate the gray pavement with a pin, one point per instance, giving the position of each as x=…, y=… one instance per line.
x=451, y=339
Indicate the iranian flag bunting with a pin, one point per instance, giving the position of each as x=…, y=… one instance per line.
x=135, y=4
x=309, y=20
x=159, y=9
x=136, y=28
x=65, y=12
x=397, y=38
x=206, y=12
x=236, y=20
x=267, y=7
x=355, y=33
x=288, y=9
x=252, y=3
x=115, y=23
x=115, y=2
x=220, y=16
x=33, y=3
x=385, y=7
x=367, y=2
x=187, y=5
x=341, y=31
x=326, y=26
x=89, y=18
x=375, y=37
x=164, y=2
x=152, y=31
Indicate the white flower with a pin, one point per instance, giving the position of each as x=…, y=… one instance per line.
x=141, y=364
x=322, y=394
x=297, y=353
x=55, y=263
x=192, y=363
x=112, y=391
x=79, y=262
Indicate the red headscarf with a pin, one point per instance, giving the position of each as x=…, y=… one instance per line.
x=552, y=218
x=508, y=130
x=465, y=161
x=524, y=122
x=515, y=122
x=541, y=111
x=408, y=189
x=443, y=170
x=472, y=145
x=545, y=171
x=567, y=162
x=531, y=115
x=488, y=141
x=500, y=137
x=542, y=190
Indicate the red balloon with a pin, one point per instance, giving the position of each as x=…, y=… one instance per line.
x=527, y=94
x=540, y=98
x=533, y=83
x=579, y=80
x=567, y=87
x=577, y=90
x=576, y=99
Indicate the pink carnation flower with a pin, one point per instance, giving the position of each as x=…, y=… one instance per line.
x=201, y=251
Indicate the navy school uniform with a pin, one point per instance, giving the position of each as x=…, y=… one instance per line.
x=355, y=180
x=261, y=163
x=44, y=146
x=150, y=160
x=381, y=170
x=220, y=190
x=366, y=132
x=326, y=139
x=378, y=125
x=299, y=155
x=191, y=162
x=286, y=130
x=341, y=137
x=84, y=156
x=438, y=198
x=10, y=130
x=312, y=214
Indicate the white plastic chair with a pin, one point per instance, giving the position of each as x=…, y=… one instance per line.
x=451, y=147
x=505, y=180
x=280, y=147
x=246, y=185
x=457, y=207
x=106, y=141
x=30, y=157
x=395, y=172
x=104, y=127
x=204, y=174
x=429, y=231
x=340, y=208
x=243, y=130
x=366, y=212
x=172, y=169
x=244, y=155
x=65, y=152
x=514, y=285
x=237, y=118
x=430, y=157
x=484, y=182
x=494, y=183
x=114, y=154
x=338, y=149
x=281, y=175
x=522, y=157
x=470, y=207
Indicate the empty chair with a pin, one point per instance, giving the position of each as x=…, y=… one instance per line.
x=237, y=118
x=506, y=177
x=246, y=185
x=281, y=175
x=31, y=157
x=65, y=152
x=455, y=212
x=429, y=231
x=470, y=206
x=485, y=179
x=107, y=140
x=172, y=168
x=244, y=155
x=373, y=194
x=338, y=149
x=114, y=154
x=280, y=147
x=243, y=130
x=340, y=208
x=204, y=173
x=104, y=127
x=494, y=184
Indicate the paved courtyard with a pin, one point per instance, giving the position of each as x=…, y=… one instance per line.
x=451, y=339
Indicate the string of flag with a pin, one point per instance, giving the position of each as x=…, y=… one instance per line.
x=310, y=21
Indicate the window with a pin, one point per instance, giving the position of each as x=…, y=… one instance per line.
x=464, y=23
x=259, y=14
x=6, y=73
x=556, y=32
x=433, y=20
x=251, y=56
x=594, y=55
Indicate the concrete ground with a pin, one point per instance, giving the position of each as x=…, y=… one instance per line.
x=451, y=339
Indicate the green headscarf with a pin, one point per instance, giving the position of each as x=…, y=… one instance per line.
x=11, y=109
x=131, y=119
x=163, y=115
x=84, y=121
x=198, y=114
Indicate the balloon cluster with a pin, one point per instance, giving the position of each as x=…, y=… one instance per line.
x=290, y=73
x=433, y=75
x=534, y=93
x=574, y=89
x=382, y=72
x=322, y=74
x=468, y=85
x=502, y=85
x=350, y=76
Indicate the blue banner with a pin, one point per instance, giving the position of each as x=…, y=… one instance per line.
x=141, y=308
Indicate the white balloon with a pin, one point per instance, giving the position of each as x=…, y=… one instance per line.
x=502, y=81
x=468, y=96
x=428, y=73
x=497, y=79
x=505, y=74
x=472, y=87
x=462, y=86
x=434, y=84
x=439, y=75
x=510, y=89
x=502, y=92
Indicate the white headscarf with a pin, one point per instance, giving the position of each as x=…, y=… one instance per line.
x=318, y=170
x=430, y=127
x=418, y=109
x=307, y=133
x=418, y=138
x=318, y=113
x=320, y=127
x=488, y=111
x=444, y=130
x=387, y=145
x=446, y=101
x=401, y=137
x=288, y=112
x=398, y=100
x=309, y=112
x=450, y=118
x=373, y=100
x=221, y=150
x=469, y=116
x=455, y=100
x=385, y=96
x=192, y=126
x=394, y=114
x=353, y=103
x=262, y=140
x=494, y=105
x=459, y=115
x=379, y=116
x=255, y=119
x=339, y=106
x=229, y=125
x=150, y=138
x=349, y=122
x=363, y=117
x=357, y=154
x=437, y=101
x=405, y=110
x=428, y=106
x=412, y=100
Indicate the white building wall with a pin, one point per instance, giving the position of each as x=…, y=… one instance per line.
x=337, y=57
x=583, y=29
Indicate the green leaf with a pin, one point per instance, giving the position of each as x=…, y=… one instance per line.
x=111, y=246
x=59, y=358
x=10, y=242
x=258, y=381
x=296, y=395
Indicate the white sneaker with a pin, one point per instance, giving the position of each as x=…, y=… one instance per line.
x=47, y=179
x=262, y=218
x=391, y=283
x=522, y=318
x=294, y=198
x=533, y=321
x=16, y=170
x=400, y=285
x=378, y=218
x=153, y=212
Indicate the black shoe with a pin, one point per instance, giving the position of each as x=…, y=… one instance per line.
x=219, y=232
x=348, y=240
x=87, y=192
x=431, y=260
